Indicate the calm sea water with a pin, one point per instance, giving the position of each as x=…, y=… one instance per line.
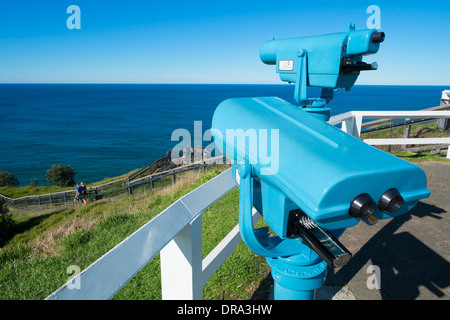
x=105, y=130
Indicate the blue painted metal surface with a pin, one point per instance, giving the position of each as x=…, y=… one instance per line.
x=313, y=166
x=308, y=179
x=321, y=169
x=297, y=277
x=328, y=61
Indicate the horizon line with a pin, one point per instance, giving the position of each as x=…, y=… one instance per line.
x=202, y=83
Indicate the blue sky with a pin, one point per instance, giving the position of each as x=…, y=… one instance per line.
x=208, y=41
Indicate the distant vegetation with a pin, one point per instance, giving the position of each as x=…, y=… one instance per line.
x=6, y=223
x=8, y=180
x=61, y=176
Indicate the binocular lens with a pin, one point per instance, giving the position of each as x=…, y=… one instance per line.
x=390, y=201
x=362, y=206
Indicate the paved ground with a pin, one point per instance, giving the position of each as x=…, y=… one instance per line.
x=412, y=251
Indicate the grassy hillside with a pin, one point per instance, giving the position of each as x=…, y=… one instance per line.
x=17, y=192
x=34, y=262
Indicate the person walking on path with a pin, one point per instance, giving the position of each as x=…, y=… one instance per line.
x=81, y=193
x=77, y=199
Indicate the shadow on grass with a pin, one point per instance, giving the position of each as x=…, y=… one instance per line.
x=23, y=226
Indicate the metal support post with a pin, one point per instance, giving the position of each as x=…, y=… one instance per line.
x=298, y=277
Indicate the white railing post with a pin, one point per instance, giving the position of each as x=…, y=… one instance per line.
x=352, y=124
x=358, y=124
x=181, y=264
x=347, y=125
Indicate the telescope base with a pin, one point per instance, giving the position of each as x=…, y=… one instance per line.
x=296, y=278
x=282, y=293
x=322, y=113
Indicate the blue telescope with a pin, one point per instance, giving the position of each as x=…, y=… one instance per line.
x=329, y=62
x=308, y=179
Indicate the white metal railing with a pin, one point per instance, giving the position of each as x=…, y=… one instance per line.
x=352, y=124
x=177, y=234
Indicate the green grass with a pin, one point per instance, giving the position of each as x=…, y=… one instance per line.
x=419, y=157
x=33, y=264
x=17, y=192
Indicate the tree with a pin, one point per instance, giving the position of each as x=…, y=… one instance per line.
x=8, y=180
x=60, y=175
x=6, y=222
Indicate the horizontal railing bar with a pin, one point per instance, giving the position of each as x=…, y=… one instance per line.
x=396, y=125
x=401, y=114
x=392, y=115
x=375, y=122
x=379, y=142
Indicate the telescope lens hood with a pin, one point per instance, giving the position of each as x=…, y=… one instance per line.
x=390, y=201
x=378, y=37
x=362, y=206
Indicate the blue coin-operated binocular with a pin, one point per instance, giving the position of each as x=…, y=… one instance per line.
x=308, y=179
x=329, y=62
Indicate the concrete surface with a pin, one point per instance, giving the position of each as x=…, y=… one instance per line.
x=411, y=252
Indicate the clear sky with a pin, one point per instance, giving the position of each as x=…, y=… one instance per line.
x=208, y=41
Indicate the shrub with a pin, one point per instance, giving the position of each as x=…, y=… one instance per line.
x=33, y=182
x=8, y=180
x=6, y=222
x=61, y=176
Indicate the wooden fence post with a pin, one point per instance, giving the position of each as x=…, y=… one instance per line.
x=406, y=131
x=127, y=184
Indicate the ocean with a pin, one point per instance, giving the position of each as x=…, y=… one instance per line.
x=106, y=130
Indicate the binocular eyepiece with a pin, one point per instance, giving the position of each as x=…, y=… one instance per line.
x=390, y=201
x=363, y=206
